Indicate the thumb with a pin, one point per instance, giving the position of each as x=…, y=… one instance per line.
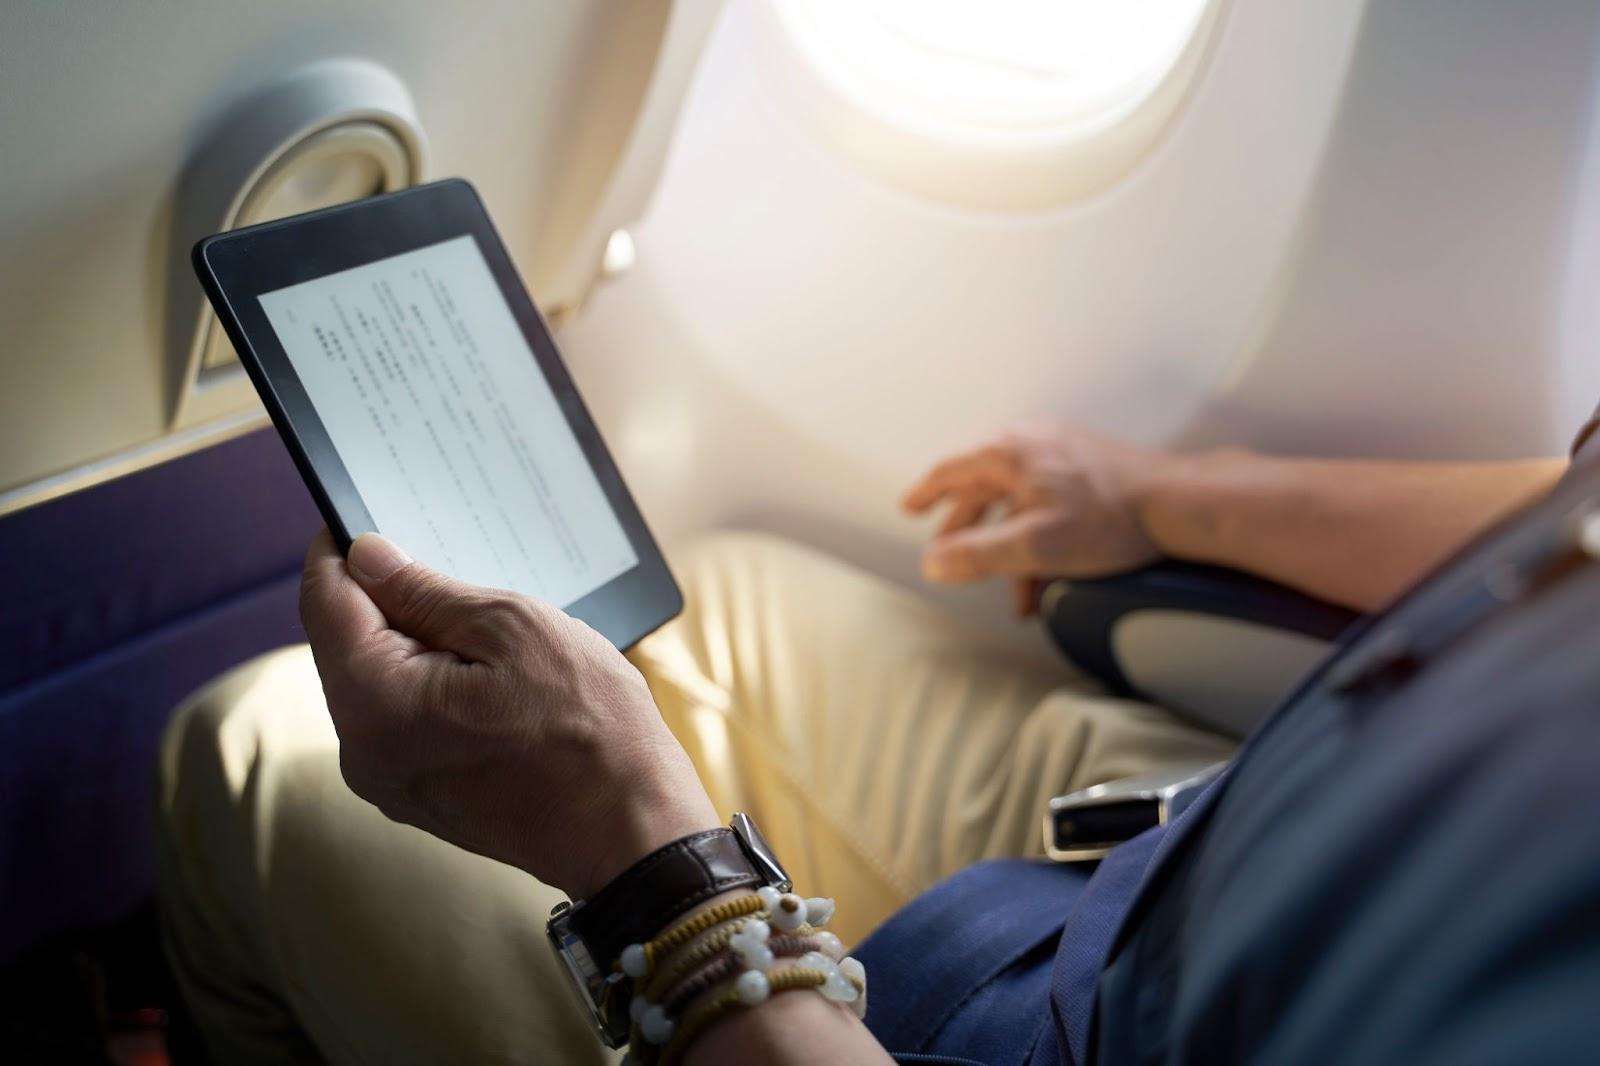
x=422, y=603
x=1005, y=549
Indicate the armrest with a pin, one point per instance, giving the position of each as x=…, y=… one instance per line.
x=1215, y=644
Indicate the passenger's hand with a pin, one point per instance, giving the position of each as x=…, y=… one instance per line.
x=1068, y=499
x=491, y=720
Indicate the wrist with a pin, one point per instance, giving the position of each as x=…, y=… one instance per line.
x=769, y=1035
x=640, y=819
x=615, y=934
x=1179, y=501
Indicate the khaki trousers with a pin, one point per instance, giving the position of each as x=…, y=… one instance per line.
x=880, y=745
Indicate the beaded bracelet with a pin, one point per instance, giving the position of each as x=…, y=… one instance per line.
x=638, y=960
x=736, y=997
x=703, y=963
x=786, y=911
x=746, y=938
x=722, y=968
x=726, y=952
x=696, y=953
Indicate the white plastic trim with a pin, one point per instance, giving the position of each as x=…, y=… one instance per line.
x=237, y=172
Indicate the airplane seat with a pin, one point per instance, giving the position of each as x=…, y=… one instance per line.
x=120, y=601
x=1219, y=646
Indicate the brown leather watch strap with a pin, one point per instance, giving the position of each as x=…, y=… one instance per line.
x=643, y=900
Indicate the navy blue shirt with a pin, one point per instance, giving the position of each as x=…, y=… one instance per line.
x=1404, y=863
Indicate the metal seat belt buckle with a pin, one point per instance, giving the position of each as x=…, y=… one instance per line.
x=1084, y=826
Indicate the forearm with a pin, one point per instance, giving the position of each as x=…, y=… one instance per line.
x=1350, y=531
x=506, y=727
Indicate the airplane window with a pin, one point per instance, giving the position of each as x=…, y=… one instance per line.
x=1056, y=95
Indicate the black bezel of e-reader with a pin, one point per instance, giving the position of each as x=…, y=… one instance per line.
x=237, y=267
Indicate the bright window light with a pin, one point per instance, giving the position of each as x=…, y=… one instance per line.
x=1000, y=75
x=976, y=67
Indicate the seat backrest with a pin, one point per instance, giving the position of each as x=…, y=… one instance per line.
x=120, y=600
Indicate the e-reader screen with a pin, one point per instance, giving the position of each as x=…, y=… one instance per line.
x=431, y=396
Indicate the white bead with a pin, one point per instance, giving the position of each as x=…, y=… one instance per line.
x=816, y=960
x=634, y=963
x=752, y=987
x=830, y=945
x=839, y=989
x=818, y=910
x=750, y=944
x=768, y=896
x=790, y=912
x=759, y=958
x=636, y=1008
x=656, y=1026
x=852, y=970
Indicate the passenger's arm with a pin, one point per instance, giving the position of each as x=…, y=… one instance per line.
x=1079, y=504
x=510, y=729
x=1355, y=532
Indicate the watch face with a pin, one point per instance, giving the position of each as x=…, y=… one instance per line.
x=602, y=996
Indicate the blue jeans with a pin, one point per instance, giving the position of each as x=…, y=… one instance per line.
x=961, y=974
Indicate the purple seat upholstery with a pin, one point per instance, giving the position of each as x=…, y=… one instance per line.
x=119, y=601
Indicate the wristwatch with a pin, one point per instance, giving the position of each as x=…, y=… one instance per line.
x=589, y=934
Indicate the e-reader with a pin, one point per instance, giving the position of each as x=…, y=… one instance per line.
x=419, y=392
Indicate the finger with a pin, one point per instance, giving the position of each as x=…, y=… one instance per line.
x=442, y=613
x=336, y=613
x=1025, y=596
x=988, y=469
x=1005, y=549
x=991, y=469
x=353, y=645
x=966, y=511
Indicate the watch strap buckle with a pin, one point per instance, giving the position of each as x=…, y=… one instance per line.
x=760, y=853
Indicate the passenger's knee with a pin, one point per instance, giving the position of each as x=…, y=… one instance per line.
x=217, y=733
